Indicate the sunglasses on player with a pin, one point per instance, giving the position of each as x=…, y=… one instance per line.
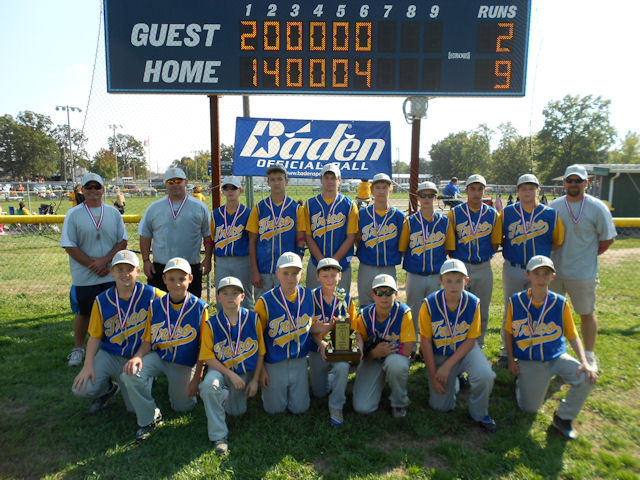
x=427, y=195
x=176, y=181
x=383, y=292
x=573, y=180
x=226, y=188
x=93, y=187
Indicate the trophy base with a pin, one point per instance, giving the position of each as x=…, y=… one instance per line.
x=343, y=356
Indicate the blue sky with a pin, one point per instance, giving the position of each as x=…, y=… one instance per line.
x=47, y=56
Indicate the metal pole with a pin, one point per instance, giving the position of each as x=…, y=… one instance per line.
x=248, y=191
x=73, y=164
x=115, y=148
x=415, y=165
x=214, y=116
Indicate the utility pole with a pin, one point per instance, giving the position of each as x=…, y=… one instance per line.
x=68, y=109
x=115, y=145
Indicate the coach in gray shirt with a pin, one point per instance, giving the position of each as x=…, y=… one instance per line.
x=589, y=231
x=92, y=233
x=175, y=226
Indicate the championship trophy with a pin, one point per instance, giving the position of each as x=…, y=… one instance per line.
x=342, y=345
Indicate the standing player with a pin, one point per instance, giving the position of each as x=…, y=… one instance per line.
x=231, y=239
x=423, y=243
x=476, y=234
x=589, y=232
x=380, y=225
x=528, y=229
x=331, y=226
x=275, y=227
x=92, y=233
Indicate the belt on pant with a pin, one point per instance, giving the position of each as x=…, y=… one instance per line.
x=517, y=265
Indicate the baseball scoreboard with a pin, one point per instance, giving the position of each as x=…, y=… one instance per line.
x=364, y=47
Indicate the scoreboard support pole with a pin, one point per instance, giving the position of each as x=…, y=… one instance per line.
x=214, y=119
x=248, y=191
x=414, y=170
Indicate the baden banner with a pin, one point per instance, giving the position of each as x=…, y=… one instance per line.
x=303, y=147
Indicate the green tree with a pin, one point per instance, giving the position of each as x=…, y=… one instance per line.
x=130, y=154
x=400, y=167
x=512, y=158
x=462, y=154
x=26, y=149
x=576, y=130
x=78, y=143
x=629, y=151
x=104, y=164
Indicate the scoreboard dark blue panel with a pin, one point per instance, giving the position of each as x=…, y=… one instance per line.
x=375, y=47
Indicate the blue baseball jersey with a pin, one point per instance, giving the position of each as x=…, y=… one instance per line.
x=520, y=243
x=237, y=346
x=182, y=344
x=230, y=239
x=379, y=239
x=473, y=231
x=115, y=340
x=446, y=338
x=273, y=240
x=547, y=340
x=328, y=226
x=286, y=337
x=397, y=328
x=425, y=256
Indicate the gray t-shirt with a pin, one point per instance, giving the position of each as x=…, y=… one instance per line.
x=180, y=240
x=79, y=231
x=577, y=258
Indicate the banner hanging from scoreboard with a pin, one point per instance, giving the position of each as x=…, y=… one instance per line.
x=359, y=47
x=303, y=147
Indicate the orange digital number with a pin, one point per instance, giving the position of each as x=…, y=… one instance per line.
x=363, y=45
x=254, y=78
x=275, y=71
x=503, y=70
x=340, y=36
x=296, y=71
x=313, y=64
x=508, y=36
x=294, y=36
x=364, y=72
x=317, y=36
x=344, y=71
x=271, y=29
x=248, y=35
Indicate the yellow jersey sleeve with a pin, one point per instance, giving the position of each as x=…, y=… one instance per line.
x=407, y=330
x=305, y=218
x=425, y=321
x=96, y=324
x=206, y=343
x=352, y=222
x=252, y=222
x=403, y=243
x=300, y=218
x=352, y=313
x=508, y=327
x=496, y=233
x=474, y=329
x=359, y=327
x=261, y=310
x=450, y=236
x=146, y=336
x=558, y=231
x=568, y=326
x=260, y=333
x=157, y=293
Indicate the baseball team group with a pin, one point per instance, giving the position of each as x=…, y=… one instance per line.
x=270, y=333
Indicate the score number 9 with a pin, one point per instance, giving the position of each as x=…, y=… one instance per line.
x=502, y=68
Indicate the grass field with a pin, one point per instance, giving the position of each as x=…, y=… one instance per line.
x=45, y=431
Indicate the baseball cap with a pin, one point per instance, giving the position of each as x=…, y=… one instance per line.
x=328, y=262
x=427, y=186
x=230, y=282
x=231, y=181
x=125, y=256
x=577, y=170
x=276, y=168
x=527, y=178
x=540, y=261
x=331, y=167
x=177, y=263
x=174, y=172
x=384, y=280
x=92, y=177
x=453, y=265
x=289, y=259
x=381, y=177
x=476, y=179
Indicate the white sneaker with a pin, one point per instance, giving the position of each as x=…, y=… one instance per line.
x=75, y=357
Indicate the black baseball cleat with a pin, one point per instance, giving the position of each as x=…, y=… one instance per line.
x=565, y=427
x=144, y=432
x=101, y=402
x=488, y=424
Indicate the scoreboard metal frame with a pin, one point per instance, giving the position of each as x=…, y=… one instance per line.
x=339, y=47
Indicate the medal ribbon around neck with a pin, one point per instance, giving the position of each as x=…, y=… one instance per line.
x=524, y=223
x=445, y=310
x=385, y=219
x=229, y=335
x=293, y=322
x=175, y=215
x=373, y=323
x=93, y=220
x=468, y=214
x=123, y=322
x=574, y=219
x=229, y=228
x=534, y=325
x=180, y=315
x=424, y=227
x=321, y=303
x=273, y=215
